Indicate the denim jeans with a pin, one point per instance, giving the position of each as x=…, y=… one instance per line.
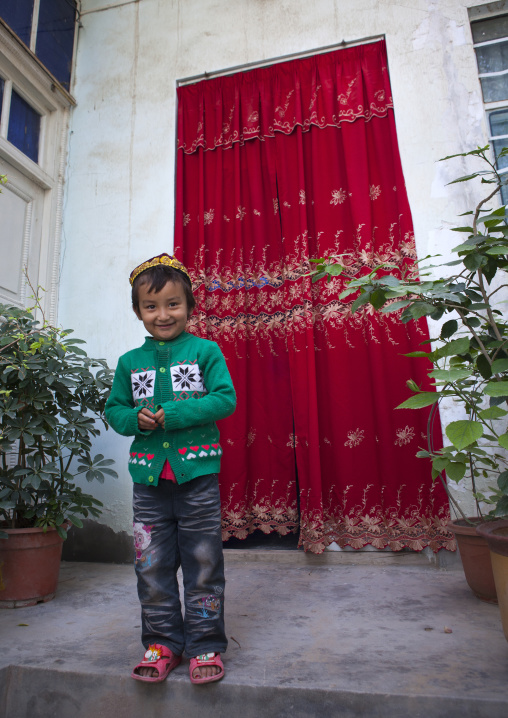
x=180, y=525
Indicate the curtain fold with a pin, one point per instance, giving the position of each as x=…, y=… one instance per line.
x=317, y=385
x=323, y=90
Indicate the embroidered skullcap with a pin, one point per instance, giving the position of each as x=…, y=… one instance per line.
x=165, y=259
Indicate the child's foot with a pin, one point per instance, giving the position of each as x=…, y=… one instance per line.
x=206, y=668
x=157, y=663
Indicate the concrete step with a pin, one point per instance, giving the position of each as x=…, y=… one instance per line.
x=312, y=639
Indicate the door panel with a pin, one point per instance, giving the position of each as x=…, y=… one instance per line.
x=21, y=210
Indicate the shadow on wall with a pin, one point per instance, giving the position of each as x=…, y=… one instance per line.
x=98, y=543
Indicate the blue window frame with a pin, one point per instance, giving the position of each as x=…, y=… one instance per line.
x=18, y=15
x=498, y=123
x=54, y=32
x=24, y=127
x=55, y=37
x=2, y=83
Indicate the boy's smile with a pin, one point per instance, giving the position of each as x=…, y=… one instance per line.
x=163, y=313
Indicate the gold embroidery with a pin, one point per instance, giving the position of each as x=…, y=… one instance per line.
x=286, y=302
x=381, y=527
x=356, y=101
x=208, y=216
x=339, y=196
x=344, y=97
x=354, y=438
x=313, y=101
x=405, y=436
x=282, y=109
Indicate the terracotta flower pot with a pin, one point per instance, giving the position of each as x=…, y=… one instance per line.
x=496, y=534
x=29, y=566
x=475, y=556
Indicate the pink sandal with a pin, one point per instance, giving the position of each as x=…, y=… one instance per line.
x=207, y=659
x=159, y=657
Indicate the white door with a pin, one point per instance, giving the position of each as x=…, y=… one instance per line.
x=21, y=222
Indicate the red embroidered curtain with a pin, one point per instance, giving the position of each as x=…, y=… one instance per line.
x=277, y=166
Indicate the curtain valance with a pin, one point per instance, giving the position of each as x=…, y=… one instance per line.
x=323, y=90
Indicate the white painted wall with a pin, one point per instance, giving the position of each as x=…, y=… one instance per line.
x=120, y=188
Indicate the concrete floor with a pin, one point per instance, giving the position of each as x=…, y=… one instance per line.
x=342, y=634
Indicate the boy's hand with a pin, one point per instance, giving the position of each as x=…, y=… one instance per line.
x=159, y=417
x=147, y=420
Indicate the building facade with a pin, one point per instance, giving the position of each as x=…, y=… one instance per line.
x=91, y=188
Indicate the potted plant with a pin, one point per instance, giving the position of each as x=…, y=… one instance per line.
x=470, y=356
x=51, y=394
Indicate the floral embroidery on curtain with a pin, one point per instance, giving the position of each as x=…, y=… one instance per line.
x=258, y=104
x=316, y=445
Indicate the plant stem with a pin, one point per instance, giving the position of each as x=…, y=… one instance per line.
x=480, y=343
x=454, y=502
x=492, y=321
x=478, y=207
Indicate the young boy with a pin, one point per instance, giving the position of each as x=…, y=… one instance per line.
x=168, y=395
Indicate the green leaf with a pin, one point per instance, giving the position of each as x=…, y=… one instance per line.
x=421, y=309
x=456, y=471
x=110, y=472
x=473, y=261
x=440, y=463
x=418, y=355
x=450, y=374
x=494, y=412
x=497, y=250
x=395, y=306
x=496, y=400
x=465, y=178
x=463, y=433
x=503, y=440
x=425, y=398
x=377, y=298
x=483, y=366
x=449, y=328
x=490, y=269
x=496, y=388
x=499, y=366
x=359, y=301
x=456, y=346
x=76, y=521
x=502, y=481
x=502, y=507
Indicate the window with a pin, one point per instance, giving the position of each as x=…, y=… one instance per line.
x=33, y=139
x=490, y=39
x=55, y=37
x=24, y=127
x=47, y=28
x=21, y=122
x=18, y=15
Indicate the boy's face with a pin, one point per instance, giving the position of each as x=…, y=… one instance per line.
x=164, y=313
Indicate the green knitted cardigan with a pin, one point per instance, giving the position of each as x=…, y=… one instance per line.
x=189, y=379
